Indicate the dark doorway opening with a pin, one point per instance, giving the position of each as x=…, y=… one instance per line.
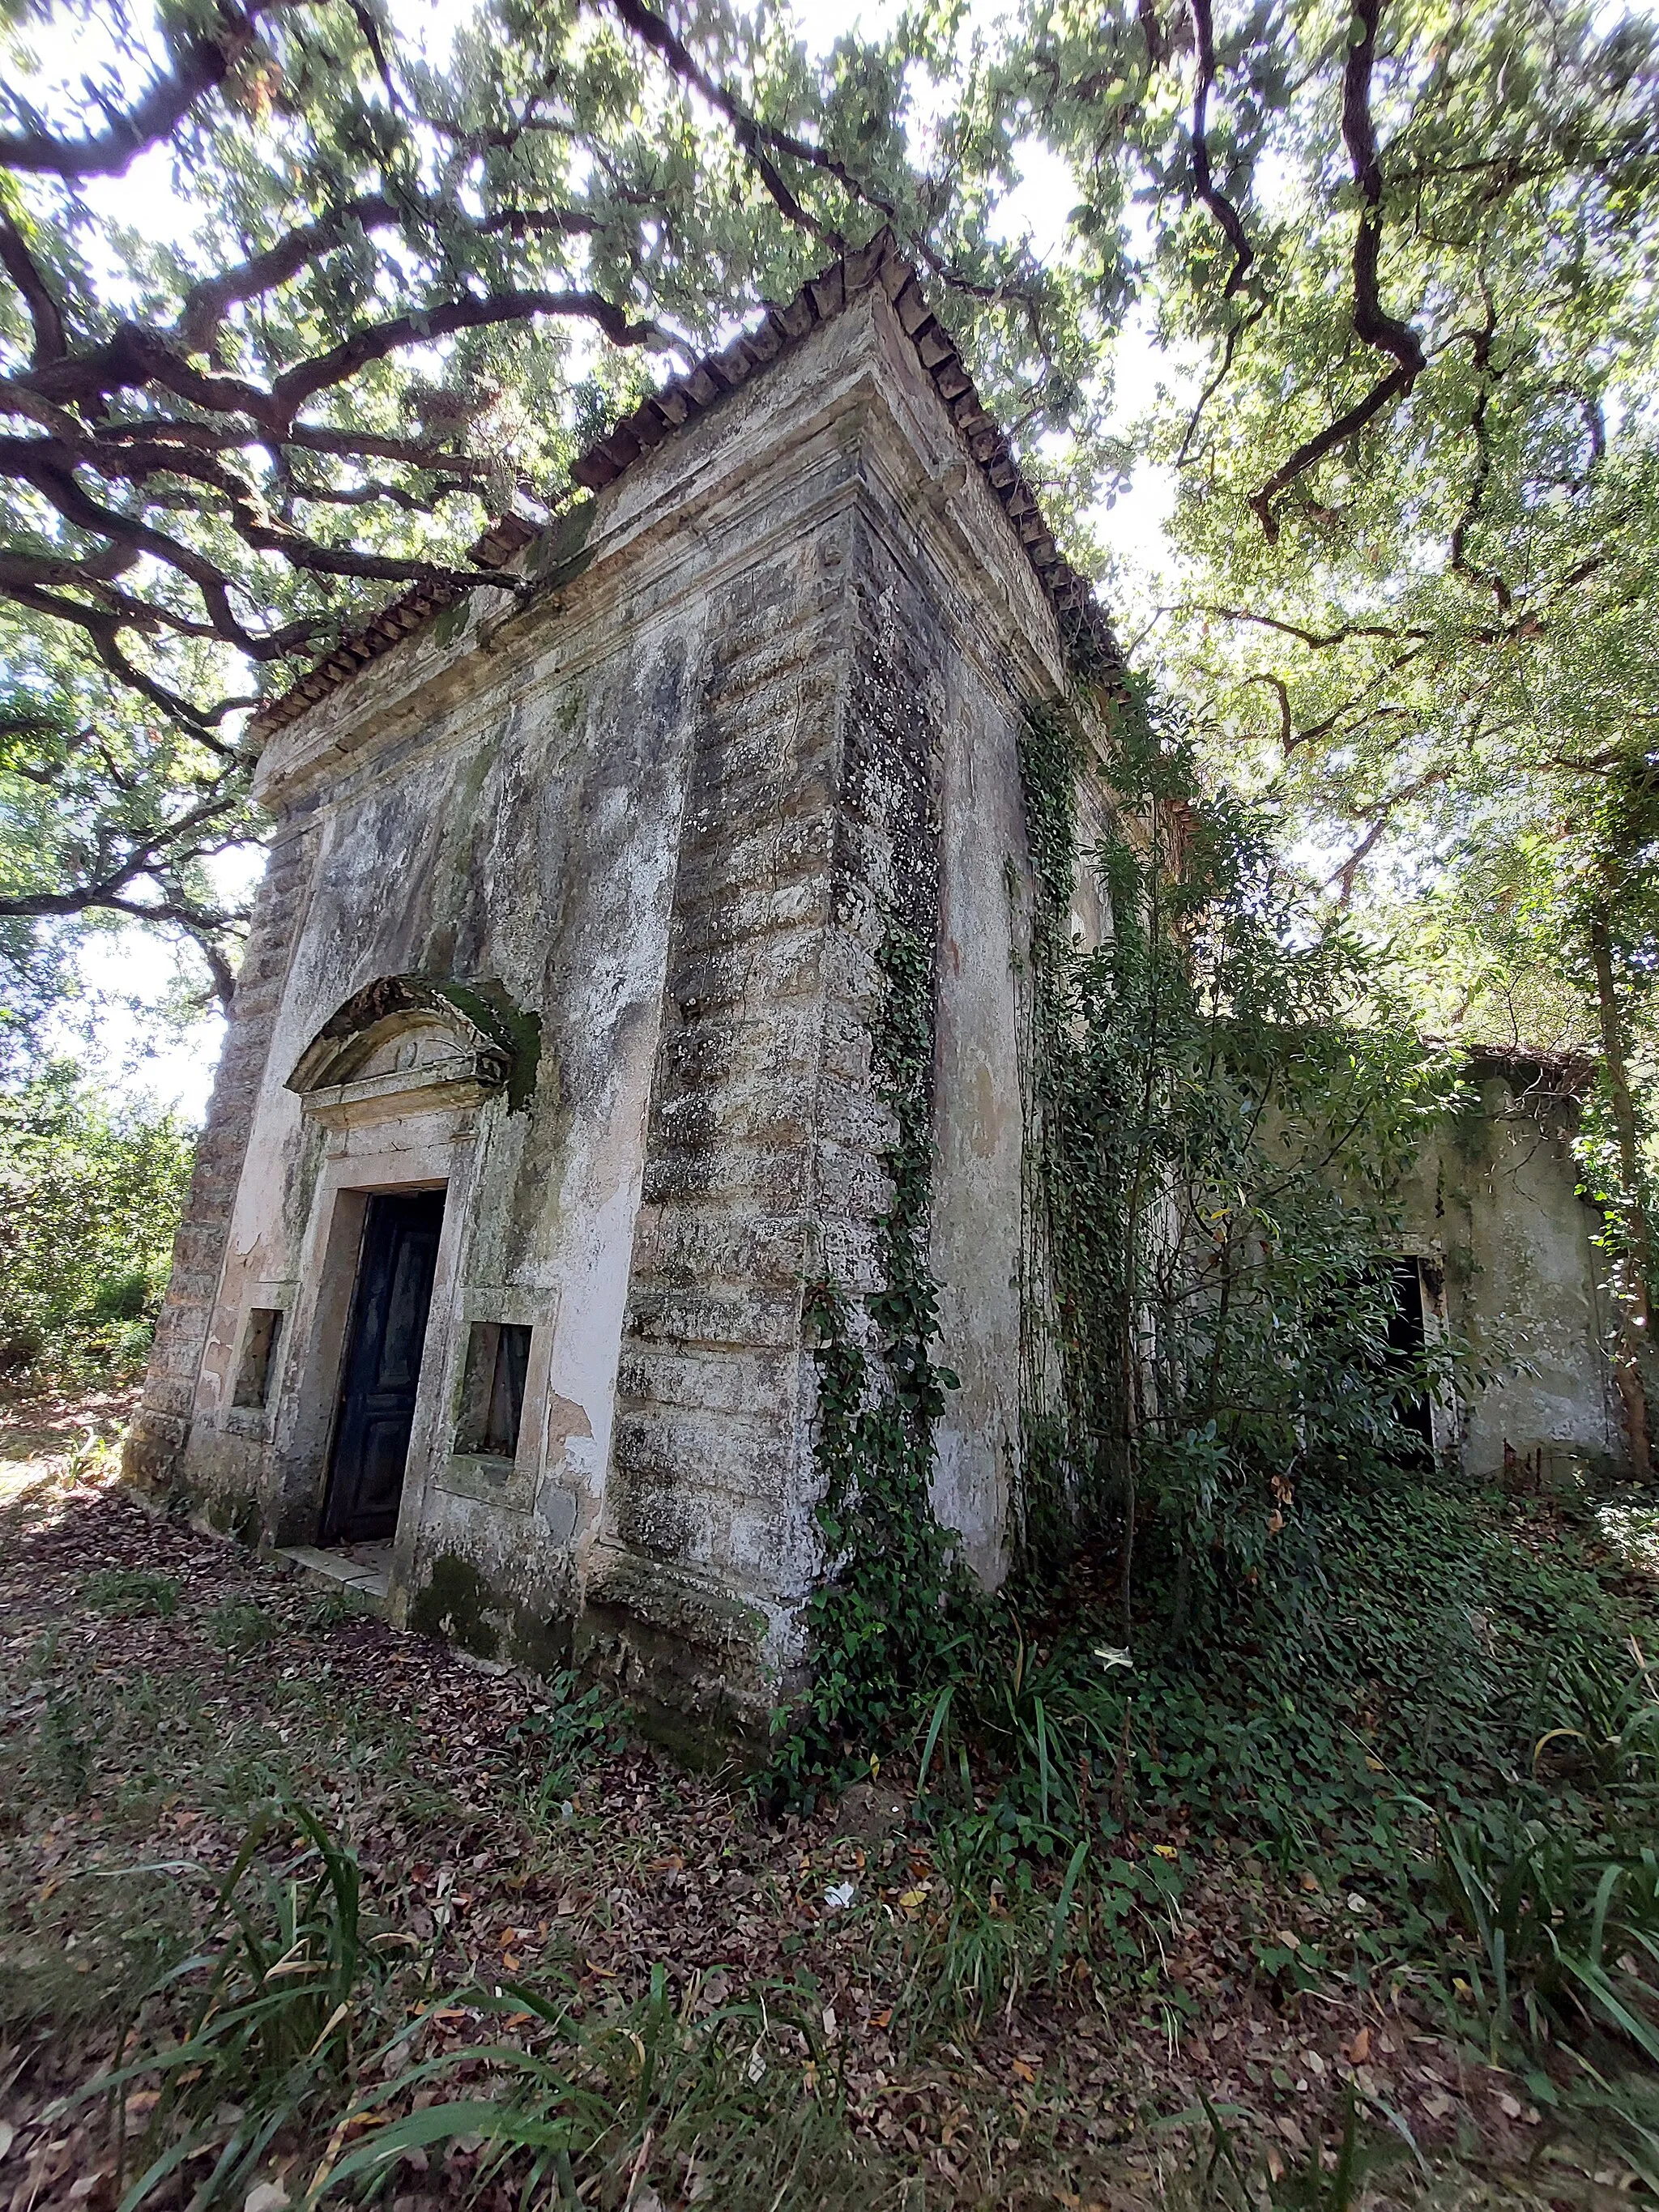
x=1407, y=1344
x=385, y=1334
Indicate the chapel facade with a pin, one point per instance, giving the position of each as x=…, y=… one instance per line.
x=549, y=1087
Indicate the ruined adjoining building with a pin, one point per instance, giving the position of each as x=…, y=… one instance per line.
x=549, y=1087
x=1502, y=1246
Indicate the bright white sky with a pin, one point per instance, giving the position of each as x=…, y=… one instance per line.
x=120, y=1028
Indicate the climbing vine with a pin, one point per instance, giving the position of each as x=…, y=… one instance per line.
x=1219, y=1106
x=881, y=1625
x=1220, y=1103
x=1077, y=1291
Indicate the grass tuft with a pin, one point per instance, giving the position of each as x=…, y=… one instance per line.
x=130, y=1593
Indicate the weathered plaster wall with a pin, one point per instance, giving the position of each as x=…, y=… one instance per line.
x=526, y=832
x=163, y=1420
x=1493, y=1210
x=767, y=702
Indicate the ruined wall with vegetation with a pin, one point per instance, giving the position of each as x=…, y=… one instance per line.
x=1495, y=1208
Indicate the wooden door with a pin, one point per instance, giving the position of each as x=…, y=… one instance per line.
x=382, y=1370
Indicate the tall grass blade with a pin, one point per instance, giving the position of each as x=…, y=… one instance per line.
x=1594, y=1979
x=416, y=2131
x=941, y=1710
x=1063, y=1904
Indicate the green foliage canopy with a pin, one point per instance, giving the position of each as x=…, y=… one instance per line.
x=397, y=293
x=1399, y=257
x=88, y=1203
x=1396, y=252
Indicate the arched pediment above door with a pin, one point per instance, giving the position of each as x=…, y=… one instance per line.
x=408, y=1042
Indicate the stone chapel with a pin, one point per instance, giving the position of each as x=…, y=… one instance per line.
x=548, y=1086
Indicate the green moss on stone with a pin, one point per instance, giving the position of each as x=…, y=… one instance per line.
x=543, y=1645
x=456, y=1602
x=560, y=554
x=226, y=1515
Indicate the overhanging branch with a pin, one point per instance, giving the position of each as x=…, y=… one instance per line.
x=1371, y=321
x=203, y=64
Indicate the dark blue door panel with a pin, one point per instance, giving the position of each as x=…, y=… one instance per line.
x=387, y=1329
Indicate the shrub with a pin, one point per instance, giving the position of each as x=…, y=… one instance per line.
x=1423, y=1681
x=572, y=1732
x=275, y=2008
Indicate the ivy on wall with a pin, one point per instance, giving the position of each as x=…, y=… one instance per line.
x=882, y=1624
x=1076, y=1354
x=1221, y=1104
x=1218, y=1108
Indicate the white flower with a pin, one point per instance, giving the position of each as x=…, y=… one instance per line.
x=840, y=1896
x=1114, y=1655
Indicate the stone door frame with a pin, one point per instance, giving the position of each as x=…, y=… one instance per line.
x=394, y=1155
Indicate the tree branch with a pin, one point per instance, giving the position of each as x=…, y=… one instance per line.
x=205, y=926
x=302, y=382
x=1220, y=207
x=1288, y=739
x=374, y=493
x=754, y=136
x=1236, y=330
x=1346, y=875
x=366, y=445
x=44, y=311
x=1460, y=563
x=202, y=66
x=155, y=854
x=1371, y=322
x=207, y=302
x=1157, y=44
x=1319, y=640
x=103, y=630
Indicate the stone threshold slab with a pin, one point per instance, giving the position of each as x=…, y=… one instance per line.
x=365, y=1569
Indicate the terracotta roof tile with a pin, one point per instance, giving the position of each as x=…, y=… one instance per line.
x=682, y=398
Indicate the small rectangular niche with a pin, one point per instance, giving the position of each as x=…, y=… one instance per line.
x=492, y=1394
x=259, y=1341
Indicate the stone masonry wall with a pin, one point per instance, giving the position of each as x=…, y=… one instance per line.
x=811, y=828
x=702, y=1501
x=162, y=1426
x=672, y=806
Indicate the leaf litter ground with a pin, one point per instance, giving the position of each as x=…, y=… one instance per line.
x=159, y=1684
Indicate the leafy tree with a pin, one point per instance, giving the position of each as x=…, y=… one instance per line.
x=105, y=808
x=1227, y=1100
x=91, y=1199
x=1402, y=248
x=401, y=291
x=1399, y=253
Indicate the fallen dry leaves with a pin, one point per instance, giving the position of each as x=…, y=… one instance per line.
x=422, y=1759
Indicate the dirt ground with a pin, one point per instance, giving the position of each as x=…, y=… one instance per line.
x=133, y=1747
